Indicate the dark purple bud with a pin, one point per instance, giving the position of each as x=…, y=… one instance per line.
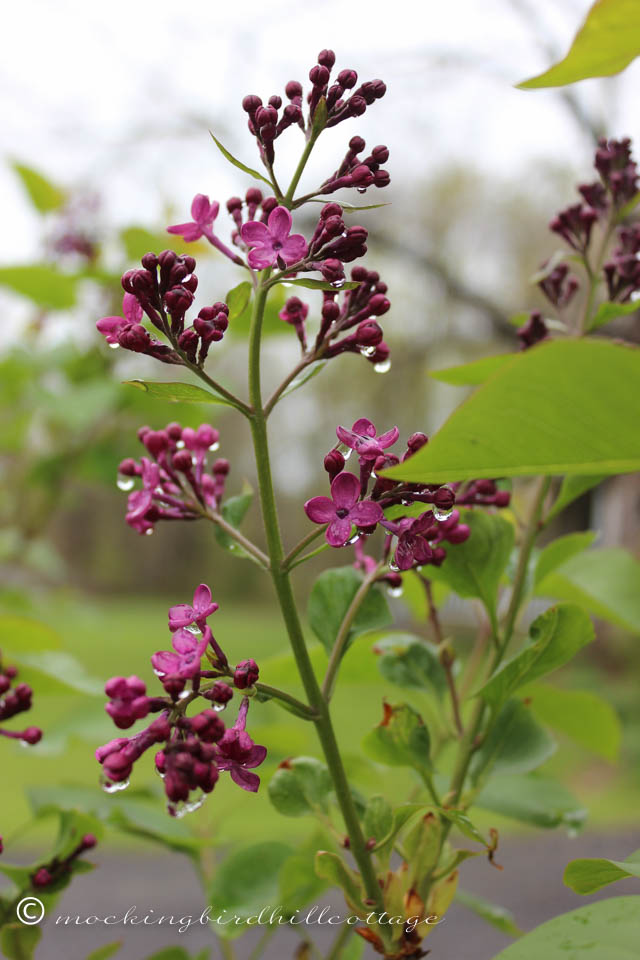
x=251, y=103
x=416, y=441
x=348, y=78
x=31, y=735
x=356, y=106
x=332, y=270
x=319, y=76
x=334, y=463
x=246, y=674
x=219, y=693
x=41, y=878
x=368, y=334
x=293, y=89
x=182, y=461
x=150, y=262
x=155, y=441
x=444, y=498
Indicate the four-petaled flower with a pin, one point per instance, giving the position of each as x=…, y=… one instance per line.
x=140, y=502
x=362, y=438
x=183, y=614
x=342, y=510
x=238, y=753
x=203, y=213
x=413, y=540
x=110, y=327
x=185, y=662
x=273, y=241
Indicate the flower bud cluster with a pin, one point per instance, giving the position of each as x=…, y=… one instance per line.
x=358, y=172
x=359, y=503
x=193, y=749
x=15, y=698
x=56, y=869
x=177, y=481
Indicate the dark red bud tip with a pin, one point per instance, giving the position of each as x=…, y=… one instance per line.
x=334, y=463
x=251, y=103
x=88, y=841
x=41, y=878
x=293, y=89
x=416, y=441
x=32, y=735
x=444, y=498
x=502, y=498
x=182, y=461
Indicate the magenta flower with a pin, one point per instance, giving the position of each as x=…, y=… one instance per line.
x=203, y=213
x=110, y=327
x=342, y=510
x=141, y=509
x=185, y=662
x=238, y=753
x=273, y=241
x=183, y=615
x=128, y=701
x=362, y=438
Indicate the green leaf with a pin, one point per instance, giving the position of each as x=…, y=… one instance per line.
x=103, y=953
x=558, y=552
x=19, y=942
x=561, y=407
x=378, y=818
x=248, y=879
x=307, y=374
x=587, y=875
x=330, y=599
x=238, y=163
x=516, y=743
x=352, y=207
x=400, y=740
x=311, y=284
x=571, y=488
x=299, y=884
x=55, y=671
x=474, y=568
x=608, y=40
x=320, y=117
x=497, y=916
x=533, y=799
x=23, y=634
x=607, y=312
x=464, y=824
x=410, y=661
x=176, y=392
x=44, y=285
x=44, y=195
x=583, y=716
x=473, y=373
x=554, y=638
x=606, y=582
x=238, y=299
x=300, y=786
x=401, y=817
x=607, y=929
x=234, y=511
x=332, y=868
x=422, y=847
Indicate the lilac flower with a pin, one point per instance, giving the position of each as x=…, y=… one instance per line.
x=140, y=507
x=110, y=327
x=273, y=241
x=185, y=662
x=238, y=753
x=183, y=615
x=362, y=438
x=128, y=701
x=342, y=510
x=204, y=213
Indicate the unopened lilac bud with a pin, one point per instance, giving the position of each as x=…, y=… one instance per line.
x=348, y=78
x=128, y=467
x=330, y=311
x=219, y=693
x=327, y=58
x=356, y=144
x=502, y=498
x=41, y=878
x=332, y=270
x=31, y=735
x=275, y=102
x=88, y=841
x=334, y=463
x=251, y=103
x=155, y=441
x=416, y=441
x=221, y=467
x=444, y=498
x=319, y=76
x=368, y=334
x=246, y=674
x=293, y=89
x=357, y=106
x=459, y=534
x=181, y=461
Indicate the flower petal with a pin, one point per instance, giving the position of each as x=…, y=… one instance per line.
x=131, y=308
x=387, y=439
x=262, y=257
x=320, y=509
x=200, y=208
x=364, y=427
x=280, y=223
x=404, y=557
x=293, y=249
x=188, y=231
x=181, y=616
x=256, y=756
x=184, y=642
x=244, y=778
x=255, y=232
x=345, y=490
x=165, y=662
x=109, y=327
x=201, y=598
x=366, y=514
x=338, y=532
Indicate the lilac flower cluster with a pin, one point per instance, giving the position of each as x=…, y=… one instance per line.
x=163, y=290
x=341, y=99
x=15, y=699
x=57, y=868
x=365, y=501
x=177, y=482
x=193, y=749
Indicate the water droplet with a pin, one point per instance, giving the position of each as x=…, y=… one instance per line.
x=181, y=809
x=353, y=539
x=111, y=786
x=125, y=483
x=338, y=283
x=214, y=446
x=184, y=695
x=284, y=285
x=367, y=351
x=395, y=591
x=361, y=189
x=394, y=567
x=635, y=296
x=442, y=514
x=160, y=774
x=148, y=533
x=180, y=445
x=194, y=629
x=405, y=503
x=383, y=367
x=347, y=453
x=114, y=346
x=159, y=673
x=219, y=707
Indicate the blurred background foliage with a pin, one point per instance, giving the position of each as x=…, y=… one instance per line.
x=457, y=247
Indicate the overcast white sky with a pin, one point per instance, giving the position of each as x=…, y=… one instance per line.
x=120, y=94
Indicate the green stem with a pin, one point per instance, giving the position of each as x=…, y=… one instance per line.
x=341, y=940
x=300, y=169
x=226, y=949
x=342, y=637
x=309, y=556
x=297, y=706
x=284, y=592
x=277, y=393
x=240, y=538
x=299, y=547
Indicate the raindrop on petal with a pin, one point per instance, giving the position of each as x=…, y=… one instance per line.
x=442, y=514
x=383, y=367
x=148, y=533
x=125, y=483
x=367, y=351
x=112, y=786
x=114, y=346
x=395, y=591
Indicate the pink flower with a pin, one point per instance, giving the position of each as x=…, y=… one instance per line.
x=238, y=753
x=273, y=241
x=185, y=662
x=128, y=701
x=203, y=213
x=183, y=615
x=342, y=510
x=362, y=438
x=110, y=327
x=141, y=511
